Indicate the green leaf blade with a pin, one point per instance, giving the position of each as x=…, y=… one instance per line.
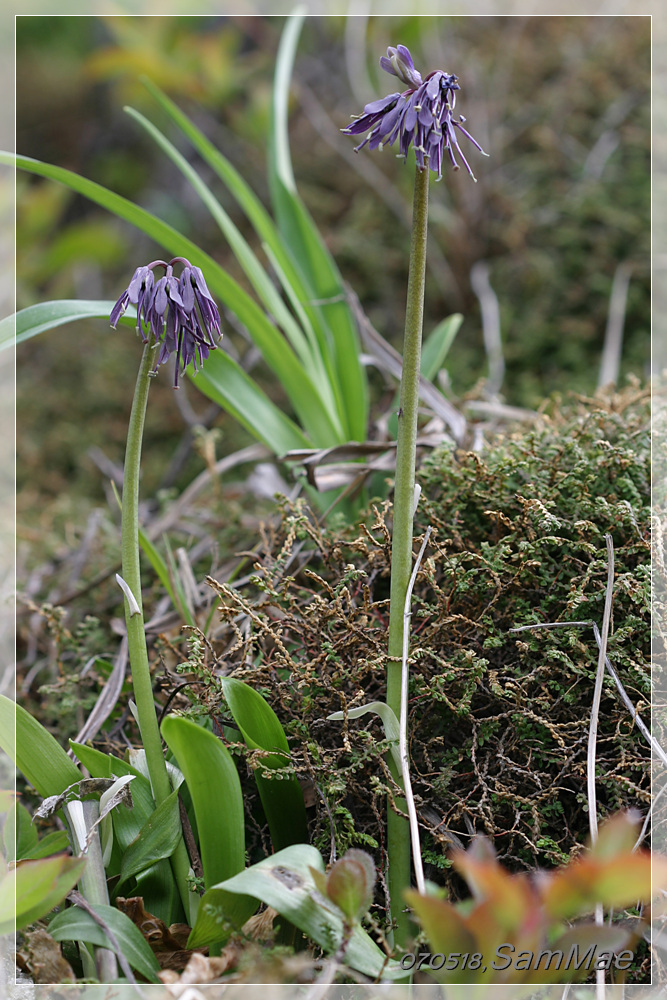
x=308, y=248
x=261, y=729
x=285, y=882
x=157, y=840
x=75, y=924
x=33, y=888
x=213, y=782
x=36, y=753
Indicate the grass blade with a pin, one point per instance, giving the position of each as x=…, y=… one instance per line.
x=272, y=240
x=224, y=381
x=242, y=250
x=436, y=346
x=47, y=315
x=168, y=580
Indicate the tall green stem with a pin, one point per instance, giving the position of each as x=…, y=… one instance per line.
x=398, y=830
x=136, y=636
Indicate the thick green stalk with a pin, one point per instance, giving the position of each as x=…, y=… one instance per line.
x=136, y=636
x=398, y=830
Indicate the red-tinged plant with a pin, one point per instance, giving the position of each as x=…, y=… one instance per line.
x=514, y=928
x=349, y=884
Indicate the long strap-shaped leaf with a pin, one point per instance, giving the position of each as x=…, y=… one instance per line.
x=301, y=296
x=38, y=756
x=223, y=380
x=275, y=349
x=285, y=881
x=305, y=242
x=323, y=419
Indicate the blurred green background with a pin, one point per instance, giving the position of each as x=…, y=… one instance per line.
x=561, y=104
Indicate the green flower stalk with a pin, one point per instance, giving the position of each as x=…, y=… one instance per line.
x=421, y=117
x=174, y=316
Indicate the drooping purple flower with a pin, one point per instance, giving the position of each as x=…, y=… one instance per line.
x=421, y=116
x=179, y=314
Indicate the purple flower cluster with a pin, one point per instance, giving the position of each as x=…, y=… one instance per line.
x=421, y=116
x=179, y=313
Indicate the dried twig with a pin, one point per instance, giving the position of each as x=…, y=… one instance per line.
x=597, y=694
x=613, y=338
x=490, y=310
x=636, y=717
x=403, y=726
x=107, y=700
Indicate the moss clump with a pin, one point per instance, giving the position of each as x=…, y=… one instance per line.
x=498, y=720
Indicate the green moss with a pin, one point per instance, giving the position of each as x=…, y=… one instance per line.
x=498, y=720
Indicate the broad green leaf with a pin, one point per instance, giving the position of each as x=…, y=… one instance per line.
x=219, y=914
x=160, y=894
x=52, y=843
x=127, y=823
x=74, y=924
x=308, y=248
x=436, y=346
x=103, y=765
x=18, y=834
x=32, y=889
x=38, y=756
x=156, y=884
x=389, y=721
x=281, y=797
x=285, y=882
x=156, y=840
x=213, y=782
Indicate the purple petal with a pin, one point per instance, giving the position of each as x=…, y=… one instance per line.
x=119, y=308
x=187, y=291
x=433, y=86
x=405, y=54
x=381, y=104
x=160, y=299
x=139, y=279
